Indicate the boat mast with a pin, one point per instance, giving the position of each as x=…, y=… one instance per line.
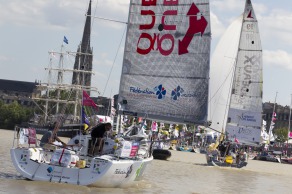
x=289, y=121
x=60, y=77
x=271, y=126
x=48, y=90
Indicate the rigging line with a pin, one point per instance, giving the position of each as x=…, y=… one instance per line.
x=111, y=20
x=114, y=61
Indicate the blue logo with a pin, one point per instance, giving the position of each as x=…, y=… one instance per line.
x=176, y=93
x=160, y=91
x=50, y=169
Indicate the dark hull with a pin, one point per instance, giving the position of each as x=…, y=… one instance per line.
x=268, y=158
x=161, y=154
x=286, y=160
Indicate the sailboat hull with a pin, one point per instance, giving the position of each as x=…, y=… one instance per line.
x=212, y=162
x=103, y=171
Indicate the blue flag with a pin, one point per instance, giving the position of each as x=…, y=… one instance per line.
x=85, y=120
x=65, y=40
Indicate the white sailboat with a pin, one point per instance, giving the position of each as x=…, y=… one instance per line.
x=167, y=49
x=236, y=96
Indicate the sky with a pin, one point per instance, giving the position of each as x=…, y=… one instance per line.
x=32, y=28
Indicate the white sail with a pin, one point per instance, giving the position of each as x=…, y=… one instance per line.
x=245, y=113
x=165, y=74
x=221, y=73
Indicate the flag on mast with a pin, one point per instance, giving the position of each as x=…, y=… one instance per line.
x=87, y=101
x=65, y=40
x=85, y=120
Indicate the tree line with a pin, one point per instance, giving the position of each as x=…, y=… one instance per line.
x=13, y=114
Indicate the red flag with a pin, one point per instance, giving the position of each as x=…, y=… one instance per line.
x=236, y=140
x=87, y=101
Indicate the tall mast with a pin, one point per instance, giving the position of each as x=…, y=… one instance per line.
x=60, y=77
x=289, y=120
x=272, y=125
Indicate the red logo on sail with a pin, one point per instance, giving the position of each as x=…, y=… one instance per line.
x=250, y=15
x=196, y=26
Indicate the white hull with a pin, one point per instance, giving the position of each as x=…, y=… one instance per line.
x=103, y=171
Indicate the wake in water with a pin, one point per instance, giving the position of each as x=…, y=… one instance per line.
x=4, y=175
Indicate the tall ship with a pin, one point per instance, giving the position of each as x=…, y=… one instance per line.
x=59, y=94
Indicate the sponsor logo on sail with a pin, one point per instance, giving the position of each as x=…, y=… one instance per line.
x=176, y=93
x=138, y=90
x=160, y=91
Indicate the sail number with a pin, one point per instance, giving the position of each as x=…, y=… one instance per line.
x=250, y=26
x=165, y=43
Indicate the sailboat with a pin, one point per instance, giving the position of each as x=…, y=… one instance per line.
x=165, y=76
x=237, y=95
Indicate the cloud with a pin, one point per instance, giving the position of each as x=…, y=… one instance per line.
x=275, y=29
x=42, y=13
x=3, y=58
x=278, y=58
x=227, y=5
x=217, y=26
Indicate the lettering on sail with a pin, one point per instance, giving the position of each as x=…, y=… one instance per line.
x=247, y=75
x=163, y=40
x=244, y=131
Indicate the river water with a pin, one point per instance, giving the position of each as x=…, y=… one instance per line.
x=184, y=172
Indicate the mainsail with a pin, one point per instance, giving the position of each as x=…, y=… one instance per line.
x=244, y=119
x=165, y=74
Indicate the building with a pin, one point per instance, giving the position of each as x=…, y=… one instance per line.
x=83, y=59
x=17, y=91
x=282, y=115
x=104, y=105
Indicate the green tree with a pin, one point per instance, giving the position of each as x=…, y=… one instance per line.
x=13, y=114
x=281, y=134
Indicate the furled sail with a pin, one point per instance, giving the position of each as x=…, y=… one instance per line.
x=165, y=74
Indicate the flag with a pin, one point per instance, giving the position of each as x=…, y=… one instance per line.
x=65, y=40
x=274, y=118
x=87, y=101
x=236, y=140
x=85, y=120
x=154, y=126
